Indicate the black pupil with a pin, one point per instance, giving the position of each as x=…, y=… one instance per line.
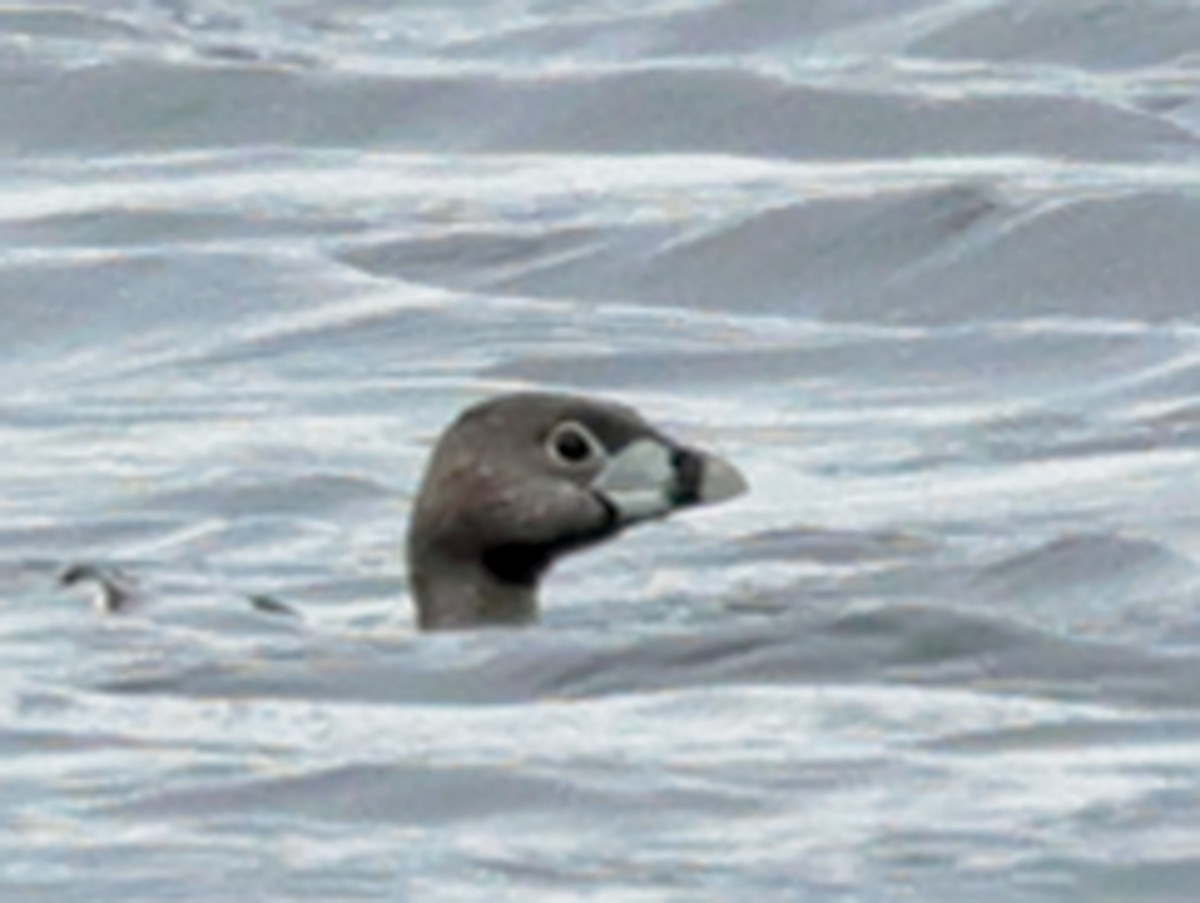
x=571, y=446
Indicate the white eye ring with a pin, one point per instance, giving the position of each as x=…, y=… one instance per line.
x=571, y=444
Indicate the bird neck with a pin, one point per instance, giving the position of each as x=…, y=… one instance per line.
x=458, y=594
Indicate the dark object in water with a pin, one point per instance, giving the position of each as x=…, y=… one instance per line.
x=113, y=591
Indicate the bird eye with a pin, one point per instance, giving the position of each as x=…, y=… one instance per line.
x=571, y=444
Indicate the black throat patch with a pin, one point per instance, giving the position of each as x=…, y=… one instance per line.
x=519, y=564
x=523, y=563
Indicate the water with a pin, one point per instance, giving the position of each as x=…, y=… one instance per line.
x=925, y=270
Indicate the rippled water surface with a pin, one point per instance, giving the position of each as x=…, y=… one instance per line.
x=926, y=270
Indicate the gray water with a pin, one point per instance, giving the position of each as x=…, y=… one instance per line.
x=926, y=270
